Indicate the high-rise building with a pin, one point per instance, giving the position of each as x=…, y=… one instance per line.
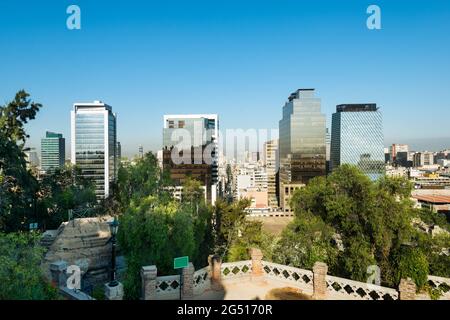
x=53, y=151
x=32, y=158
x=357, y=138
x=118, y=151
x=387, y=155
x=423, y=159
x=93, y=144
x=271, y=162
x=399, y=154
x=302, y=147
x=190, y=148
x=141, y=151
x=328, y=148
x=255, y=157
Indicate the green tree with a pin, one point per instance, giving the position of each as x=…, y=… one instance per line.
x=61, y=190
x=140, y=180
x=155, y=228
x=411, y=263
x=373, y=219
x=306, y=240
x=18, y=187
x=234, y=234
x=21, y=277
x=192, y=194
x=144, y=239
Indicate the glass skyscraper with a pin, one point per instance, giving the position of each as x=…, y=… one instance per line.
x=194, y=138
x=53, y=151
x=357, y=138
x=302, y=147
x=93, y=144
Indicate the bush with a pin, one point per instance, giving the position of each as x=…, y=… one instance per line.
x=412, y=263
x=21, y=277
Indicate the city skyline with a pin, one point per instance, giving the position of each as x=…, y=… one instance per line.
x=152, y=59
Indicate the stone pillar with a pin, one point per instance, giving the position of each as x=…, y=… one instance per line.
x=407, y=289
x=188, y=282
x=320, y=270
x=58, y=273
x=215, y=265
x=256, y=256
x=115, y=292
x=148, y=280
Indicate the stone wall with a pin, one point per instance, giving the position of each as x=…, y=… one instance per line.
x=83, y=242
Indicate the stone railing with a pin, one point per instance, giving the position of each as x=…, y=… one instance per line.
x=236, y=269
x=346, y=289
x=298, y=277
x=440, y=283
x=202, y=280
x=168, y=287
x=316, y=283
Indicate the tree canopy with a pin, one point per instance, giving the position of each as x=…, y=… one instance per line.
x=372, y=219
x=21, y=277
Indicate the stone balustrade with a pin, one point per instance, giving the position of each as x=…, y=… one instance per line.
x=300, y=278
x=202, y=280
x=168, y=287
x=443, y=284
x=316, y=283
x=236, y=269
x=341, y=288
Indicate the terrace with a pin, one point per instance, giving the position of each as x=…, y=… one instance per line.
x=254, y=279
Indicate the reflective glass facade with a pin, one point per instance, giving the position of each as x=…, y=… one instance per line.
x=302, y=138
x=94, y=144
x=53, y=149
x=357, y=138
x=195, y=137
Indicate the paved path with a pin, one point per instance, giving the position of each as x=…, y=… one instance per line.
x=242, y=289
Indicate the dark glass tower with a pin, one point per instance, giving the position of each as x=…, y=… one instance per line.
x=301, y=143
x=302, y=138
x=190, y=148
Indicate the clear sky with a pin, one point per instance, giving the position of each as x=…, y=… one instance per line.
x=238, y=58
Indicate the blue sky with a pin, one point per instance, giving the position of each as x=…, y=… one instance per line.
x=238, y=58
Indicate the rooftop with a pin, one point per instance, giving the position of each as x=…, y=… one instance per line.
x=356, y=107
x=438, y=199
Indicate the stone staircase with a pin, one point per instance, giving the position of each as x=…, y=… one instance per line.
x=49, y=236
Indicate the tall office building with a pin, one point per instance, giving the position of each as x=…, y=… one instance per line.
x=328, y=149
x=399, y=155
x=190, y=148
x=93, y=144
x=32, y=158
x=53, y=151
x=302, y=147
x=271, y=162
x=118, y=151
x=421, y=159
x=357, y=138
